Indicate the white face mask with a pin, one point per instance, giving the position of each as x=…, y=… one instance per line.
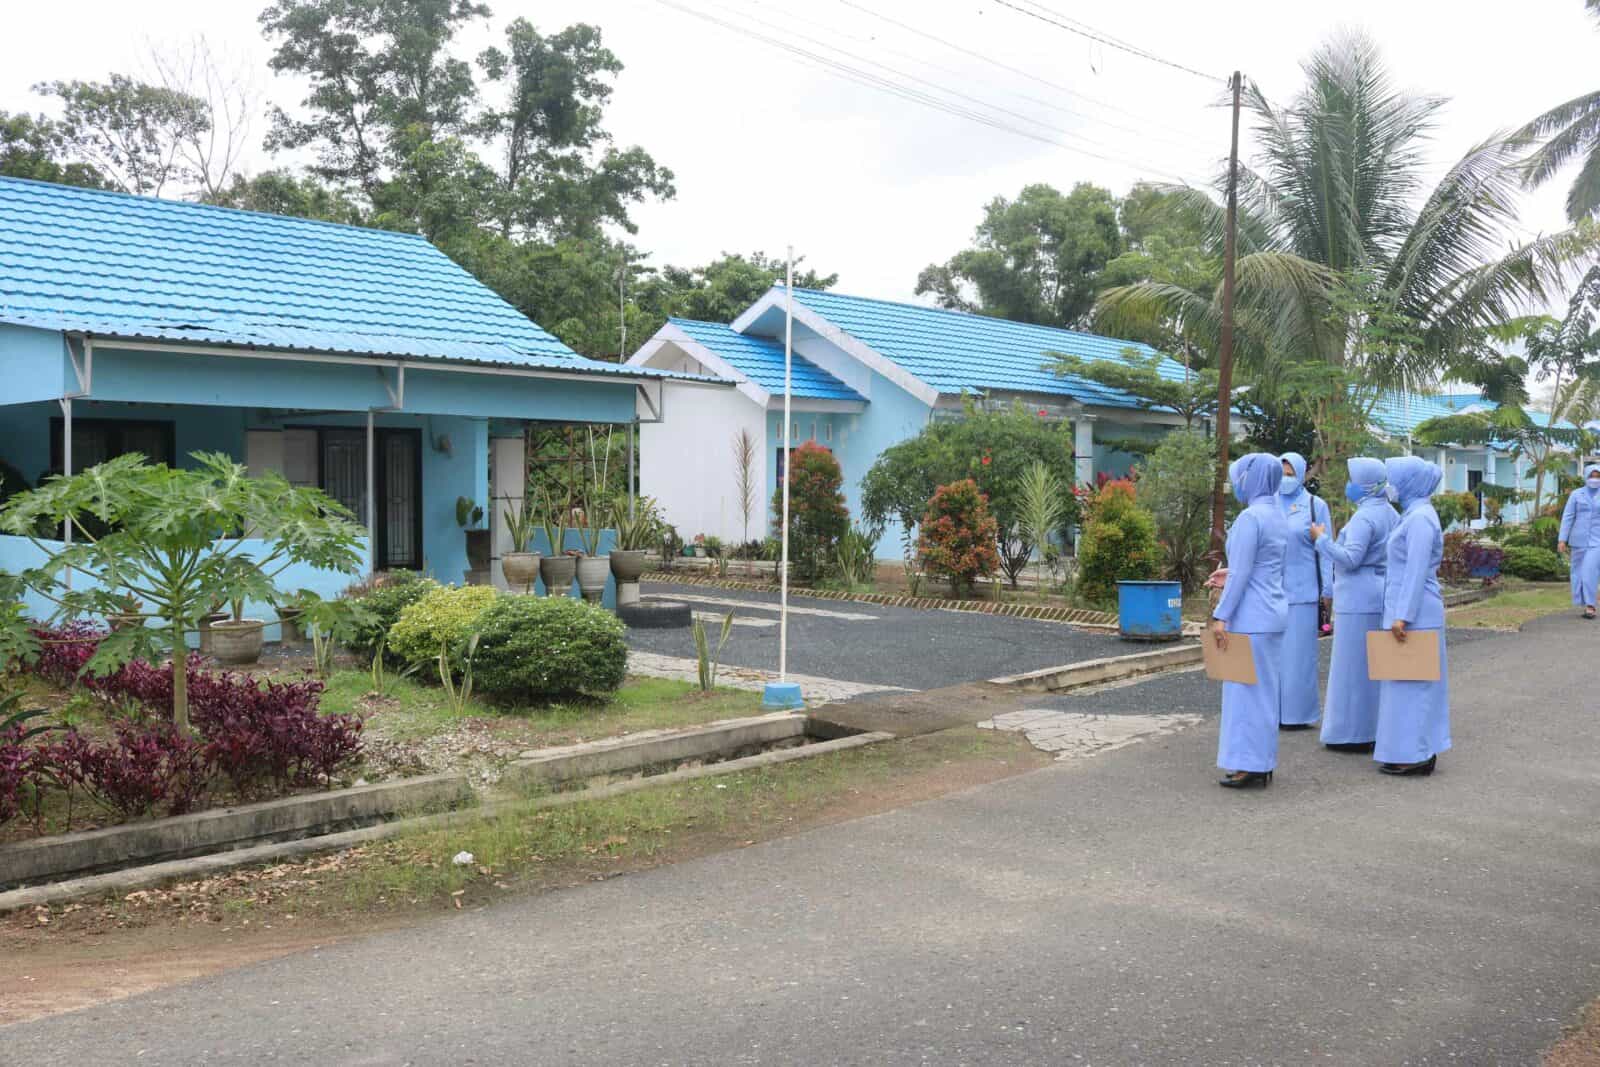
x=1593, y=483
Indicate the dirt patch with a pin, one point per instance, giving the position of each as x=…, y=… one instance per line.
x=1581, y=1046
x=64, y=958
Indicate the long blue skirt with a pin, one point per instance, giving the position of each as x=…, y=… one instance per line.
x=1297, y=700
x=1585, y=575
x=1249, y=739
x=1414, y=717
x=1350, y=715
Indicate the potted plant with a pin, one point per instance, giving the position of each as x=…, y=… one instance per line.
x=635, y=533
x=700, y=546
x=593, y=568
x=237, y=641
x=130, y=615
x=468, y=517
x=207, y=621
x=557, y=569
x=521, y=566
x=290, y=612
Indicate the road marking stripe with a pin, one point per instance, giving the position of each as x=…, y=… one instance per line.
x=756, y=605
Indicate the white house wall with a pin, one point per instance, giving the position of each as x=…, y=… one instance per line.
x=686, y=462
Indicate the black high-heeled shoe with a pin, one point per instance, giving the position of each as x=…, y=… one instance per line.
x=1351, y=746
x=1411, y=770
x=1245, y=779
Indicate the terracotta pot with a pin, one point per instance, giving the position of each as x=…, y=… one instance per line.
x=237, y=643
x=478, y=550
x=627, y=564
x=557, y=572
x=592, y=574
x=521, y=570
x=289, y=623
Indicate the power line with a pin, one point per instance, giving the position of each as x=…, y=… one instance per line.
x=914, y=95
x=953, y=46
x=1082, y=30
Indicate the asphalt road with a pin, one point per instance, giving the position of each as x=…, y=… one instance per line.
x=1119, y=910
x=885, y=646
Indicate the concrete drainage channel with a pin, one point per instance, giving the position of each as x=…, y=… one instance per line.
x=1105, y=670
x=123, y=858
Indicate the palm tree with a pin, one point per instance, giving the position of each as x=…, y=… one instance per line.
x=1570, y=131
x=1351, y=273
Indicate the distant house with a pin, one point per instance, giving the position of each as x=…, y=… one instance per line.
x=360, y=361
x=867, y=374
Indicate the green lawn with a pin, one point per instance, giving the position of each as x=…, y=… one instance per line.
x=1517, y=602
x=410, y=711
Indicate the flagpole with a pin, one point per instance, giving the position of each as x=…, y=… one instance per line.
x=788, y=390
x=784, y=695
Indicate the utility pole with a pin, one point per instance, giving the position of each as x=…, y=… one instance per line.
x=622, y=308
x=1219, y=500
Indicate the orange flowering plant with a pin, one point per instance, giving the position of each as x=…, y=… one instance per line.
x=958, y=535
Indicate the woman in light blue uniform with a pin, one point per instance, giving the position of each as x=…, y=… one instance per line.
x=1252, y=603
x=1360, y=562
x=1307, y=581
x=1414, y=717
x=1580, y=538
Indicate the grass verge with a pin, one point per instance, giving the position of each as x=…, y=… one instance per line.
x=1517, y=602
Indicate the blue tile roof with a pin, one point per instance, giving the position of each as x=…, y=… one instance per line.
x=761, y=360
x=139, y=267
x=954, y=351
x=1401, y=413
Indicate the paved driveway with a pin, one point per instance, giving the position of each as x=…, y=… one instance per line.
x=873, y=644
x=1117, y=910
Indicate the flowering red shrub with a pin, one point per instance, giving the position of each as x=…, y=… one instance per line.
x=1119, y=543
x=817, y=513
x=957, y=535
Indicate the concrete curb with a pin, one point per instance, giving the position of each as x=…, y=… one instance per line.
x=1100, y=671
x=219, y=829
x=1040, y=612
x=1470, y=596
x=136, y=878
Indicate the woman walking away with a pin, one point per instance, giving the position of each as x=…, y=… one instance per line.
x=1359, y=557
x=1414, y=717
x=1252, y=603
x=1580, y=538
x=1307, y=584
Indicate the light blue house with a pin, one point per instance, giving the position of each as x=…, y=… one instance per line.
x=360, y=361
x=867, y=374
x=1466, y=468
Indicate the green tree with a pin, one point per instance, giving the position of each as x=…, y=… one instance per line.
x=1034, y=259
x=817, y=513
x=1175, y=487
x=282, y=192
x=131, y=133
x=958, y=536
x=1119, y=544
x=34, y=146
x=176, y=542
x=1194, y=396
x=1570, y=131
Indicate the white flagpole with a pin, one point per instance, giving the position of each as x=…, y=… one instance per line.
x=788, y=363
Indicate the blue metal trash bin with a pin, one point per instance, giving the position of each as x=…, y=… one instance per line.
x=1150, y=611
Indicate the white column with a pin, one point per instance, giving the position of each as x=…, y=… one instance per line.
x=372, y=501
x=1083, y=448
x=1490, y=477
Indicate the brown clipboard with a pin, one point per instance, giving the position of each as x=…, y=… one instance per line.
x=1417, y=660
x=1237, y=663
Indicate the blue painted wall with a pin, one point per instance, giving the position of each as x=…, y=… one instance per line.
x=35, y=364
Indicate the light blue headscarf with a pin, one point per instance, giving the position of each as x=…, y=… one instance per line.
x=1255, y=475
x=1368, y=474
x=1290, y=486
x=1413, y=478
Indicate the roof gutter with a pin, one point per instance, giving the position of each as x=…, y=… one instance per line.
x=396, y=363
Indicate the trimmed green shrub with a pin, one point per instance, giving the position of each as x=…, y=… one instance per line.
x=1534, y=564
x=1119, y=544
x=389, y=595
x=441, y=619
x=532, y=649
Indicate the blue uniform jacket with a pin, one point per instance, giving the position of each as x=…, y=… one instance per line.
x=1580, y=520
x=1360, y=558
x=1301, y=561
x=1252, y=600
x=1411, y=590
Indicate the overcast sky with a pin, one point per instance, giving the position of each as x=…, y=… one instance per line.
x=771, y=148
